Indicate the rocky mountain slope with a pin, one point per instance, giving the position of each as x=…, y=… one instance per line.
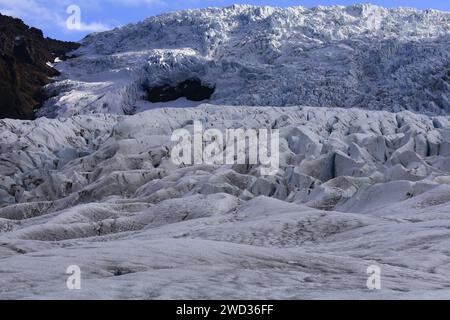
x=360, y=56
x=24, y=69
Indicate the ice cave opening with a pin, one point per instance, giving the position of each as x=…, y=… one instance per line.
x=192, y=89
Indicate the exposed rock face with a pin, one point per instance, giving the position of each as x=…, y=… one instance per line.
x=191, y=89
x=24, y=53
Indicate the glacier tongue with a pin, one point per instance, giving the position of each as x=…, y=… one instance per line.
x=356, y=188
x=360, y=95
x=358, y=56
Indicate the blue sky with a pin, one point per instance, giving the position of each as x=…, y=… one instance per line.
x=98, y=15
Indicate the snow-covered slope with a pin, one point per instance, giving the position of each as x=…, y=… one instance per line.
x=356, y=188
x=358, y=56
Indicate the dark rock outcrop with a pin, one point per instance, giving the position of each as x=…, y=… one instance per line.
x=24, y=53
x=192, y=89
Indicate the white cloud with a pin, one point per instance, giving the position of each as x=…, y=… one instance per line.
x=49, y=13
x=26, y=8
x=52, y=15
x=92, y=27
x=140, y=2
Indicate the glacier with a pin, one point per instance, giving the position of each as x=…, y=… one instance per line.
x=360, y=56
x=360, y=95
